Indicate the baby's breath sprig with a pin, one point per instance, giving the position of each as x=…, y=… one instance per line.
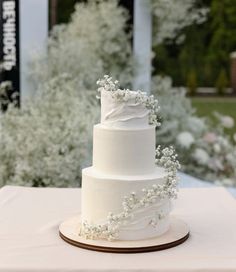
x=152, y=105
x=106, y=84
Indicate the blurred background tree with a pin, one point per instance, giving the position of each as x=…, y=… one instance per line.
x=222, y=82
x=205, y=50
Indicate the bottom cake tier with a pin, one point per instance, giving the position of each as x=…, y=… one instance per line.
x=104, y=194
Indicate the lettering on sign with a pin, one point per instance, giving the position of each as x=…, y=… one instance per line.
x=9, y=34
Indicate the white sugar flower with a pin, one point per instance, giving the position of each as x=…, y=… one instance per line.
x=185, y=139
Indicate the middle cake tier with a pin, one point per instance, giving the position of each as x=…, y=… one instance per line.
x=124, y=151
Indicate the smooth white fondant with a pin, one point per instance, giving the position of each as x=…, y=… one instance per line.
x=121, y=114
x=123, y=151
x=103, y=193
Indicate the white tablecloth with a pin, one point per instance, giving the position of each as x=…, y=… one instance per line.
x=29, y=241
x=187, y=181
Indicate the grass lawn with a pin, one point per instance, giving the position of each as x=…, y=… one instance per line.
x=205, y=106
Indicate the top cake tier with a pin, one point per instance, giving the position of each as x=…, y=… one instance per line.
x=127, y=112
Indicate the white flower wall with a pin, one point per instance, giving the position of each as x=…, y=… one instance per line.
x=47, y=142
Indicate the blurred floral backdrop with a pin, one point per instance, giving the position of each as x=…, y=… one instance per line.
x=48, y=141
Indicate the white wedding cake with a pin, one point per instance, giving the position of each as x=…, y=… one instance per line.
x=126, y=193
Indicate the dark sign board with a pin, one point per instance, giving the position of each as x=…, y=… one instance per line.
x=9, y=44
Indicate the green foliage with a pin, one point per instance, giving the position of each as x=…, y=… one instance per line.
x=64, y=10
x=223, y=31
x=222, y=82
x=192, y=82
x=206, y=47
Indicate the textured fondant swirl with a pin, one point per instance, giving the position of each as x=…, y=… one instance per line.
x=123, y=113
x=148, y=222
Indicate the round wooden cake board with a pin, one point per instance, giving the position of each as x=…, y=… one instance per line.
x=176, y=235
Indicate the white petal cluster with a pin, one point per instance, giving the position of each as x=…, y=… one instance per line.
x=109, y=230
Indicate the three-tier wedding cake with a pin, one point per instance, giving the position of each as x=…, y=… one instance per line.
x=126, y=193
